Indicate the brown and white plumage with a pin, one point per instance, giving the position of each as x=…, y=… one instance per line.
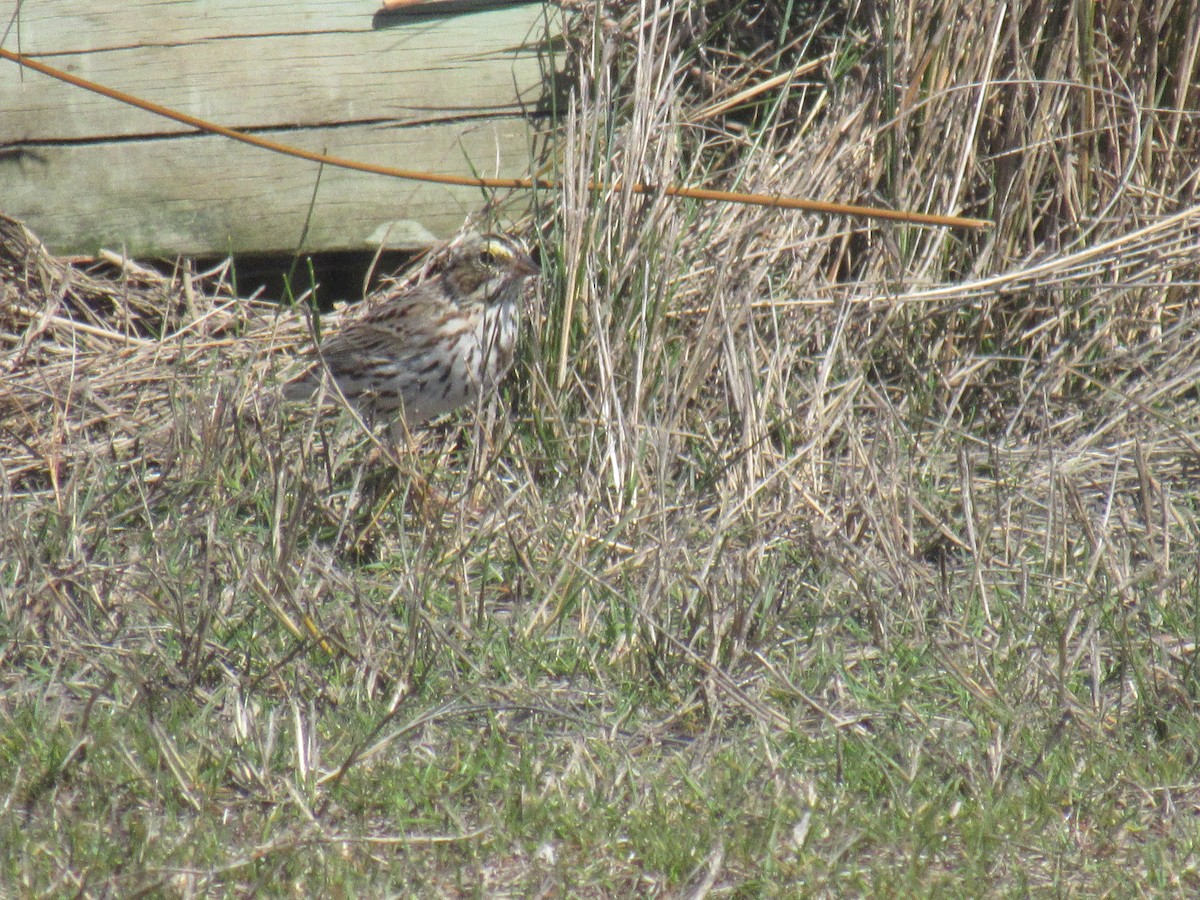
x=429, y=348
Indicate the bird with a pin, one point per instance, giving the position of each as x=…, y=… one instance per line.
x=421, y=350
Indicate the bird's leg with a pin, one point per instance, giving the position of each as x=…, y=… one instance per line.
x=402, y=451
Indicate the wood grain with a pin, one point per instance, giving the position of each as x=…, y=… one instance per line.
x=444, y=93
x=200, y=196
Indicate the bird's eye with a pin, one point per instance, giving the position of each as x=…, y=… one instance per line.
x=494, y=254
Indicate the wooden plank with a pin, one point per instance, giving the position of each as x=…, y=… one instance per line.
x=443, y=69
x=62, y=26
x=177, y=199
x=437, y=93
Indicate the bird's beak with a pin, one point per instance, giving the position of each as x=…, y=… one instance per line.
x=523, y=264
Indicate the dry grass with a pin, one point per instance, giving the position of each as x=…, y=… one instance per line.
x=857, y=557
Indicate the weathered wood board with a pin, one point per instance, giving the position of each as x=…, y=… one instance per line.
x=451, y=92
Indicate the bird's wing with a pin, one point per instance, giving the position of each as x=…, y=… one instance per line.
x=384, y=332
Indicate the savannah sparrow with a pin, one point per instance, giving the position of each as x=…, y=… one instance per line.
x=422, y=350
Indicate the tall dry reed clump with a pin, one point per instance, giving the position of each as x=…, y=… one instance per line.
x=895, y=410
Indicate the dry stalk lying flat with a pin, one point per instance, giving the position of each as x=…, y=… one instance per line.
x=95, y=358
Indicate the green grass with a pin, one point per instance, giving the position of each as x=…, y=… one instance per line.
x=164, y=729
